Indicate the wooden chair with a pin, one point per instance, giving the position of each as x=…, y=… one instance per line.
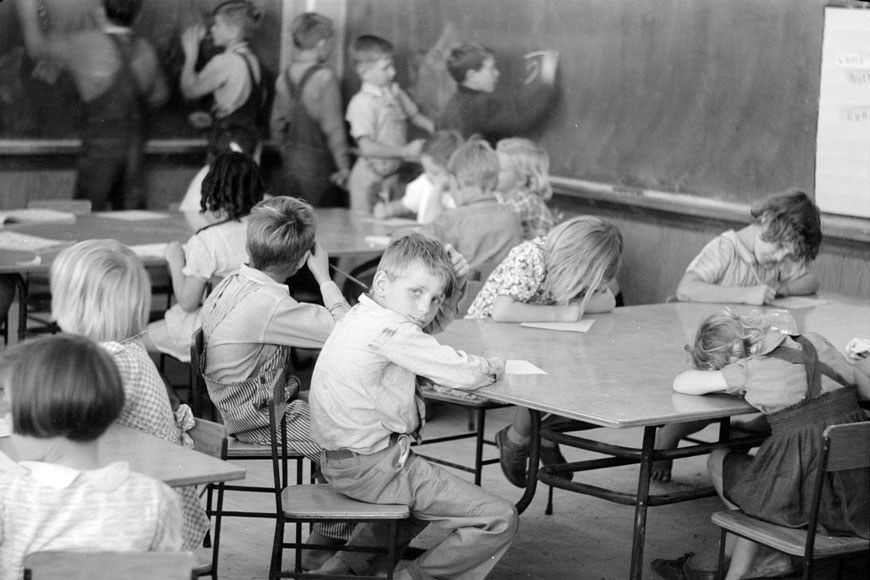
x=62, y=565
x=298, y=504
x=845, y=447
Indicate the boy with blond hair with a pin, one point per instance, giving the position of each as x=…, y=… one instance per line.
x=378, y=116
x=365, y=412
x=480, y=228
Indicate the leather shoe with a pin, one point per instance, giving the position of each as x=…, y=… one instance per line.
x=552, y=455
x=680, y=569
x=514, y=458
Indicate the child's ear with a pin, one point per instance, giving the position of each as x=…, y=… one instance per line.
x=379, y=283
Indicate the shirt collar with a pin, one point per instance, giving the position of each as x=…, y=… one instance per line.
x=745, y=253
x=389, y=91
x=61, y=477
x=239, y=46
x=261, y=277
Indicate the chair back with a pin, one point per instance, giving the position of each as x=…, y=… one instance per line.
x=283, y=388
x=73, y=206
x=209, y=438
x=62, y=565
x=200, y=402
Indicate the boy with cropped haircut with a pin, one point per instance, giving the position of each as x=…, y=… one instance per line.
x=476, y=109
x=480, y=228
x=250, y=322
x=365, y=412
x=378, y=116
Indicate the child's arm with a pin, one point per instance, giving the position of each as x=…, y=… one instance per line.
x=506, y=309
x=694, y=382
x=423, y=122
x=601, y=301
x=450, y=308
x=371, y=148
x=38, y=44
x=318, y=264
x=188, y=290
x=195, y=85
x=692, y=289
x=806, y=284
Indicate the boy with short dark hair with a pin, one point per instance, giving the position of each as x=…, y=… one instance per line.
x=480, y=228
x=477, y=109
x=365, y=411
x=378, y=116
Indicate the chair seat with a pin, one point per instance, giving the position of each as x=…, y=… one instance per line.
x=788, y=540
x=237, y=449
x=320, y=501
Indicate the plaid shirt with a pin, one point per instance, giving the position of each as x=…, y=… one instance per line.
x=534, y=214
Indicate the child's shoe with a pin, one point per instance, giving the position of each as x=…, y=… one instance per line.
x=513, y=457
x=552, y=455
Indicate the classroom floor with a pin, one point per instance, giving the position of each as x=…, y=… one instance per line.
x=586, y=538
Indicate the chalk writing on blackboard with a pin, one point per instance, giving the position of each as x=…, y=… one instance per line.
x=853, y=60
x=858, y=77
x=854, y=114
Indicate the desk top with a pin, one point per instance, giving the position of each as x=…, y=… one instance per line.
x=172, y=464
x=620, y=373
x=339, y=231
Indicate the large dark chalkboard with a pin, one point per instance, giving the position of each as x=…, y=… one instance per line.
x=715, y=98
x=31, y=108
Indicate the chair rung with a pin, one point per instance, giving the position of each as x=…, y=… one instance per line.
x=321, y=502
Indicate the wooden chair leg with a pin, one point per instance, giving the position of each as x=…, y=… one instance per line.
x=720, y=566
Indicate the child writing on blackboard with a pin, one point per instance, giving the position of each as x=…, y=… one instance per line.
x=476, y=108
x=554, y=278
x=62, y=392
x=802, y=385
x=378, y=116
x=768, y=258
x=100, y=290
x=524, y=184
x=230, y=189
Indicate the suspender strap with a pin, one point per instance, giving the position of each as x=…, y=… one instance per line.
x=814, y=368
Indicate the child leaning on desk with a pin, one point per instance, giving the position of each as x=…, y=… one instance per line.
x=554, y=278
x=773, y=372
x=100, y=290
x=61, y=393
x=768, y=258
x=365, y=411
x=378, y=116
x=230, y=189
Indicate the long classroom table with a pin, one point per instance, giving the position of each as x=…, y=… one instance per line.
x=619, y=375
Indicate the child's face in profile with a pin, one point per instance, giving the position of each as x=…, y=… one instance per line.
x=223, y=32
x=508, y=180
x=772, y=252
x=436, y=174
x=483, y=79
x=379, y=73
x=417, y=294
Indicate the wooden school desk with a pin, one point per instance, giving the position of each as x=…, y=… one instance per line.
x=619, y=375
x=172, y=464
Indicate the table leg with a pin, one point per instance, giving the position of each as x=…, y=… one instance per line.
x=534, y=458
x=642, y=502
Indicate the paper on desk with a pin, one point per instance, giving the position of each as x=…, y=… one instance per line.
x=133, y=215
x=522, y=367
x=378, y=240
x=579, y=326
x=25, y=242
x=798, y=302
x=393, y=222
x=156, y=250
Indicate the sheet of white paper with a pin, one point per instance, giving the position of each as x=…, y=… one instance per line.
x=378, y=240
x=797, y=302
x=522, y=367
x=25, y=242
x=394, y=222
x=133, y=215
x=579, y=326
x=155, y=250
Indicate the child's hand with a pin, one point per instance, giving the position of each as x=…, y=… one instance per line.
x=380, y=210
x=190, y=40
x=412, y=149
x=759, y=295
x=340, y=178
x=318, y=263
x=858, y=348
x=570, y=312
x=174, y=254
x=549, y=62
x=460, y=264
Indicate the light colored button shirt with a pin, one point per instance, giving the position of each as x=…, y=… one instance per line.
x=381, y=114
x=363, y=387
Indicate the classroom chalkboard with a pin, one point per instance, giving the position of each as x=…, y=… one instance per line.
x=36, y=105
x=704, y=97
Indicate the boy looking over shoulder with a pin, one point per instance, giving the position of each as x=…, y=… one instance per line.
x=365, y=411
x=477, y=109
x=378, y=116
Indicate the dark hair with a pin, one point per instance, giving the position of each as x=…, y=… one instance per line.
x=232, y=185
x=280, y=231
x=62, y=386
x=793, y=218
x=441, y=146
x=465, y=58
x=368, y=48
x=241, y=12
x=122, y=12
x=309, y=28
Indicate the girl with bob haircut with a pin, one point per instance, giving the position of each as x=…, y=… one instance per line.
x=524, y=184
x=802, y=385
x=554, y=278
x=100, y=290
x=62, y=393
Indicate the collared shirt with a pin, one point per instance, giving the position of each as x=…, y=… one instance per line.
x=363, y=387
x=726, y=261
x=227, y=78
x=381, y=114
x=251, y=331
x=46, y=506
x=534, y=213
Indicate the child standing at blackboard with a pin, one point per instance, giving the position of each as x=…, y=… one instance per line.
x=117, y=75
x=233, y=78
x=477, y=109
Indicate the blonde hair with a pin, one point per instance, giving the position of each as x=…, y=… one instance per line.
x=725, y=337
x=280, y=231
x=530, y=162
x=582, y=254
x=100, y=290
x=240, y=13
x=475, y=164
x=416, y=248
